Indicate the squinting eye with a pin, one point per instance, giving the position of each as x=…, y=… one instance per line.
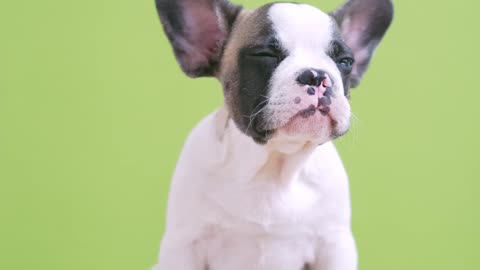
x=346, y=62
x=265, y=54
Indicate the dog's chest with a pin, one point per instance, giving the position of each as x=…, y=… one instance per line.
x=266, y=226
x=263, y=251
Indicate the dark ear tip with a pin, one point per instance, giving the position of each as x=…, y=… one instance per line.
x=386, y=16
x=385, y=7
x=386, y=13
x=389, y=11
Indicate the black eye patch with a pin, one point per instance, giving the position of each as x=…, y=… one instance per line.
x=271, y=49
x=343, y=56
x=256, y=64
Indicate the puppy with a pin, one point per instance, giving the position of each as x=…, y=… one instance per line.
x=259, y=184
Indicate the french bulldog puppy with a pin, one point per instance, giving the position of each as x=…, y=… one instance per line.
x=259, y=184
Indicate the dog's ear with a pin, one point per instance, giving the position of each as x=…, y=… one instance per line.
x=363, y=24
x=197, y=30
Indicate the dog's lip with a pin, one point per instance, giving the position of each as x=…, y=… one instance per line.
x=306, y=113
x=312, y=109
x=324, y=109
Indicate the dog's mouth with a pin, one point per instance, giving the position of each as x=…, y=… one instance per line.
x=322, y=107
x=307, y=117
x=318, y=119
x=316, y=122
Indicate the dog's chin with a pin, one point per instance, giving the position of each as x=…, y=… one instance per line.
x=309, y=126
x=312, y=127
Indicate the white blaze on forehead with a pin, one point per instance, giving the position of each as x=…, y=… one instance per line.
x=299, y=25
x=305, y=33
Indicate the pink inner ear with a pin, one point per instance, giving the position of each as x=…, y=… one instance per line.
x=202, y=32
x=353, y=27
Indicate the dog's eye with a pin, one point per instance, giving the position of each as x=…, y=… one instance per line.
x=346, y=64
x=265, y=54
x=272, y=50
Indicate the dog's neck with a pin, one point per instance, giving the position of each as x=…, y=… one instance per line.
x=243, y=158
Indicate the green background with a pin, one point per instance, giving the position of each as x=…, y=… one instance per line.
x=94, y=112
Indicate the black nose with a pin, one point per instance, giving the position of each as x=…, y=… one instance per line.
x=312, y=77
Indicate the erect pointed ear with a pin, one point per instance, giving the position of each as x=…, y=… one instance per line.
x=197, y=30
x=363, y=24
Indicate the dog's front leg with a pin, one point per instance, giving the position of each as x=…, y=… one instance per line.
x=180, y=255
x=337, y=252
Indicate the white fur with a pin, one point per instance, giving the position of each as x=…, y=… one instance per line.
x=238, y=205
x=305, y=32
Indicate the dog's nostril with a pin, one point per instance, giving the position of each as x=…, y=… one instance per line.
x=305, y=77
x=311, y=77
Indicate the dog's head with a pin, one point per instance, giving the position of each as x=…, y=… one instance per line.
x=286, y=68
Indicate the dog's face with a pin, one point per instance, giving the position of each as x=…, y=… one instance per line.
x=286, y=68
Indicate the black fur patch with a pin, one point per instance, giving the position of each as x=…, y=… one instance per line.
x=256, y=65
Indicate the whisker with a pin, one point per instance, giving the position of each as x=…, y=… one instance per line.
x=252, y=118
x=255, y=114
x=253, y=111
